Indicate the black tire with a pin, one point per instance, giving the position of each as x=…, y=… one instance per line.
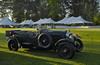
x=79, y=45
x=13, y=45
x=44, y=40
x=66, y=50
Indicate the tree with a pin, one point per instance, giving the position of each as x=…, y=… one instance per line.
x=85, y=8
x=57, y=8
x=36, y=9
x=96, y=18
x=29, y=9
x=5, y=7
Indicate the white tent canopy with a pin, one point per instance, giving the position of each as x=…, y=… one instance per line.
x=49, y=20
x=84, y=21
x=77, y=20
x=44, y=21
x=27, y=22
x=63, y=21
x=73, y=20
x=66, y=20
x=6, y=21
x=0, y=19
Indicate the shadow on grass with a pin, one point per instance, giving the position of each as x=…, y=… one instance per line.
x=3, y=47
x=7, y=58
x=88, y=58
x=2, y=37
x=85, y=58
x=3, y=41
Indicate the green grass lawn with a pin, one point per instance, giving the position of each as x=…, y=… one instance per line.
x=89, y=56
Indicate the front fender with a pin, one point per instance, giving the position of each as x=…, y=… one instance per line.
x=76, y=38
x=63, y=40
x=10, y=37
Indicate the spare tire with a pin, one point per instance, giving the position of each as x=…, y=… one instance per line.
x=44, y=40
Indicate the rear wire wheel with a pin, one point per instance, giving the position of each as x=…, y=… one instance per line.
x=44, y=40
x=13, y=45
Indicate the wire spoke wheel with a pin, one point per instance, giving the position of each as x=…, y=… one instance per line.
x=12, y=45
x=44, y=40
x=66, y=50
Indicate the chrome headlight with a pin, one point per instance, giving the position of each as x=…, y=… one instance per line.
x=71, y=37
x=67, y=34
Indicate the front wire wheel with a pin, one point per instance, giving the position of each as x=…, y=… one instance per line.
x=66, y=50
